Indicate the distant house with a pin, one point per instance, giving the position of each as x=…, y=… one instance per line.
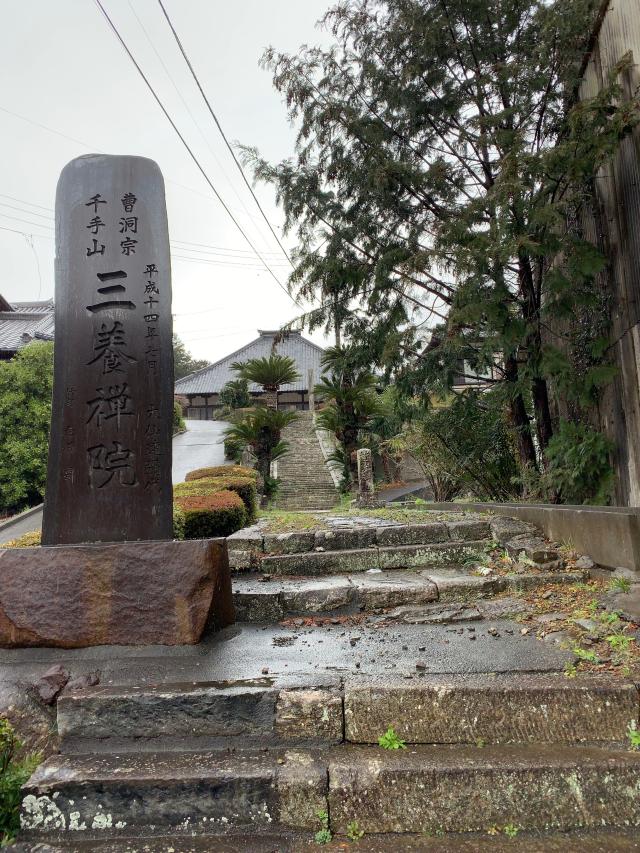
x=23, y=322
x=203, y=387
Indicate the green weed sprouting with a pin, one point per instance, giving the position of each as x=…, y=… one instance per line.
x=390, y=740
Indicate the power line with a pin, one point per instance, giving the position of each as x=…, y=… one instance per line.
x=245, y=261
x=25, y=234
x=99, y=151
x=114, y=29
x=184, y=103
x=208, y=248
x=30, y=203
x=30, y=212
x=219, y=126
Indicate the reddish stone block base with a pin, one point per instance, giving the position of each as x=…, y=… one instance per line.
x=124, y=593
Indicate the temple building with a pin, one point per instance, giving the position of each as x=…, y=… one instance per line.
x=203, y=387
x=23, y=322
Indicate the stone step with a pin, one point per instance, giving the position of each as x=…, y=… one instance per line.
x=420, y=597
x=466, y=789
x=419, y=789
x=601, y=841
x=440, y=555
x=246, y=713
x=503, y=709
x=443, y=709
x=174, y=793
x=338, y=538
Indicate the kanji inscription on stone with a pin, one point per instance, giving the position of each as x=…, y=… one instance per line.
x=109, y=473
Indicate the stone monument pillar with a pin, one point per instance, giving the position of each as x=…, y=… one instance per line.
x=109, y=473
x=366, y=486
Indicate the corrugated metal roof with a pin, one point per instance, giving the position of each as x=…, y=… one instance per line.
x=26, y=322
x=211, y=380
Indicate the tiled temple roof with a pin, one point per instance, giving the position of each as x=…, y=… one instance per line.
x=211, y=380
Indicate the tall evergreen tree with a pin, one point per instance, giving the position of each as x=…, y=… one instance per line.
x=441, y=165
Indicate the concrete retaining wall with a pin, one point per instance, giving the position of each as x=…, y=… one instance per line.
x=609, y=535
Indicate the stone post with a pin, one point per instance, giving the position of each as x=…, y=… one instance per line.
x=366, y=486
x=109, y=472
x=310, y=391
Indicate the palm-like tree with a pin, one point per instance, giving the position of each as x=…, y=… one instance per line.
x=271, y=373
x=350, y=390
x=260, y=431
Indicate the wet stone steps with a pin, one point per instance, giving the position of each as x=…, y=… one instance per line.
x=600, y=841
x=436, y=709
x=420, y=789
x=467, y=789
x=426, y=595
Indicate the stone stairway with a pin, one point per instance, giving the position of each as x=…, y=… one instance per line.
x=305, y=481
x=268, y=733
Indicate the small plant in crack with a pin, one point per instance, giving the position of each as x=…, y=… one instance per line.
x=633, y=733
x=620, y=585
x=354, y=833
x=390, y=740
x=323, y=835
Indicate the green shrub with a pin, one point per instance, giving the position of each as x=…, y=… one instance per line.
x=13, y=775
x=25, y=414
x=245, y=487
x=178, y=522
x=232, y=449
x=27, y=540
x=217, y=514
x=221, y=471
x=235, y=394
x=579, y=468
x=178, y=421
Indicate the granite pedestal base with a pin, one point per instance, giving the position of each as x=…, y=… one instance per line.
x=124, y=593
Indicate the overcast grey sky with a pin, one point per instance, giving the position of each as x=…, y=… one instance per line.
x=64, y=70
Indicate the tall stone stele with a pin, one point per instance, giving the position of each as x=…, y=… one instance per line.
x=109, y=473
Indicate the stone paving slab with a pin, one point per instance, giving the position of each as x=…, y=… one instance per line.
x=522, y=708
x=104, y=795
x=299, y=655
x=240, y=713
x=283, y=842
x=467, y=789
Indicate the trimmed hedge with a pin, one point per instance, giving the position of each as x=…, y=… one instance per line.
x=221, y=471
x=217, y=514
x=245, y=487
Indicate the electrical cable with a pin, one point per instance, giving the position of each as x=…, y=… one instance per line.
x=219, y=126
x=115, y=31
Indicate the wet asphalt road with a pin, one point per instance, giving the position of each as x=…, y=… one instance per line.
x=199, y=447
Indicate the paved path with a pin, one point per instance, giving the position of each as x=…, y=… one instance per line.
x=200, y=446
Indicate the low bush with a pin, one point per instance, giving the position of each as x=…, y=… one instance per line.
x=27, y=540
x=178, y=421
x=13, y=775
x=579, y=467
x=232, y=449
x=221, y=471
x=217, y=514
x=178, y=522
x=245, y=487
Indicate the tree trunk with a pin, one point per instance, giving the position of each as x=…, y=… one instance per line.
x=519, y=418
x=271, y=398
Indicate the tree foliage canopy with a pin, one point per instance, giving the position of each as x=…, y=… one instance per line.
x=183, y=362
x=269, y=371
x=441, y=164
x=26, y=384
